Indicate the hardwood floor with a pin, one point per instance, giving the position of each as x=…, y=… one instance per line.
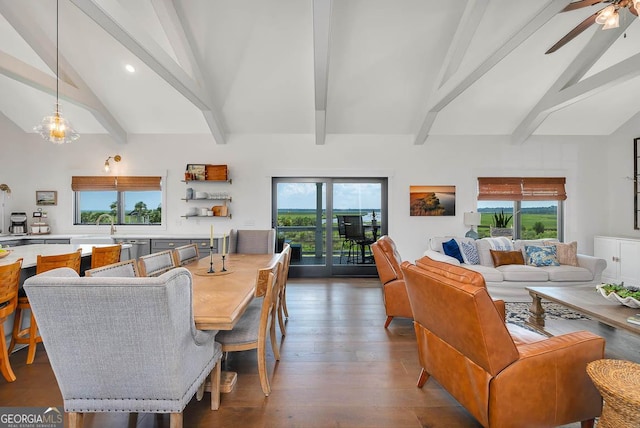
x=339, y=368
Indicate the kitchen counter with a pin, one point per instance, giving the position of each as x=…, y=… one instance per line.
x=29, y=253
x=24, y=239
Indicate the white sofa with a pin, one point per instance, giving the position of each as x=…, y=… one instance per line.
x=508, y=282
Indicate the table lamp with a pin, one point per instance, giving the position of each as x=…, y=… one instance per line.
x=472, y=219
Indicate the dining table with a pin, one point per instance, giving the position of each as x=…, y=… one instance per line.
x=221, y=297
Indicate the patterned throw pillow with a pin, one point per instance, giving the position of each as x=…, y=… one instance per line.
x=451, y=249
x=567, y=253
x=541, y=256
x=469, y=253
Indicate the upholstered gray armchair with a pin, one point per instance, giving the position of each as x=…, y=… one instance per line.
x=124, y=344
x=252, y=241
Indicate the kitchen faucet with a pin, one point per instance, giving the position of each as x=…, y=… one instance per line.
x=113, y=228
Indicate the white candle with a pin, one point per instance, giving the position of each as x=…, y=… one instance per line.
x=224, y=244
x=211, y=239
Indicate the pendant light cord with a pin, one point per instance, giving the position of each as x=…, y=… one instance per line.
x=57, y=50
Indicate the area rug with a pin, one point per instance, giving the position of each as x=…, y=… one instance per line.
x=518, y=313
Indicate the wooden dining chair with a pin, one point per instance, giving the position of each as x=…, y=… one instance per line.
x=185, y=254
x=30, y=336
x=9, y=284
x=156, y=264
x=102, y=256
x=256, y=323
x=281, y=306
x=125, y=269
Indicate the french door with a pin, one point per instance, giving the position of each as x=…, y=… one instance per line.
x=306, y=213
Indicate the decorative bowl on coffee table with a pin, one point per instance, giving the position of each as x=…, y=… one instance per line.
x=609, y=292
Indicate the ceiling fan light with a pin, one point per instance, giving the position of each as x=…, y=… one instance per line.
x=612, y=22
x=605, y=14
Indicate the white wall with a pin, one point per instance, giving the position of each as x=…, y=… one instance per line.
x=29, y=164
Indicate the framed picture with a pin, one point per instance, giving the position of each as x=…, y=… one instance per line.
x=432, y=200
x=46, y=197
x=197, y=171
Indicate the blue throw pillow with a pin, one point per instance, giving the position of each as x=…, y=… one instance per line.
x=451, y=249
x=541, y=256
x=469, y=253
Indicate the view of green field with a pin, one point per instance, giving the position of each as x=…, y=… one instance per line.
x=537, y=223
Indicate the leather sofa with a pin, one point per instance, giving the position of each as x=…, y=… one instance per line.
x=509, y=281
x=504, y=375
x=387, y=258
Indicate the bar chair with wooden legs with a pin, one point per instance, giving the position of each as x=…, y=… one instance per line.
x=9, y=284
x=29, y=336
x=102, y=256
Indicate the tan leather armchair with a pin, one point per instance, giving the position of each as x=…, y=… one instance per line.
x=387, y=258
x=505, y=376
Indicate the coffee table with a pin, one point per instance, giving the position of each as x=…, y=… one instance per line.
x=583, y=299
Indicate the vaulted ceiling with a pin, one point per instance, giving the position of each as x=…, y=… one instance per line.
x=392, y=67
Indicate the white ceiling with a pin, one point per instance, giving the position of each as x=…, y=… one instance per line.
x=391, y=67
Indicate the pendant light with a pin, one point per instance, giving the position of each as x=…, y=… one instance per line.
x=56, y=128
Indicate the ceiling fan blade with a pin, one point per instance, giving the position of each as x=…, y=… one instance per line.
x=574, y=33
x=633, y=10
x=580, y=4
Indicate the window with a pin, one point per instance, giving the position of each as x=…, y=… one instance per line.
x=127, y=199
x=535, y=205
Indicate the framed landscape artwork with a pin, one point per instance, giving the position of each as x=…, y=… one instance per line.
x=432, y=200
x=46, y=197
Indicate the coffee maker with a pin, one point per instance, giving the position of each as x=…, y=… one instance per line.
x=18, y=224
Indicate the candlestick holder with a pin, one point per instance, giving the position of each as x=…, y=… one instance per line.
x=211, y=270
x=223, y=268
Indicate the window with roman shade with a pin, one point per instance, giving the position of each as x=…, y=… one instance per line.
x=127, y=199
x=535, y=204
x=521, y=189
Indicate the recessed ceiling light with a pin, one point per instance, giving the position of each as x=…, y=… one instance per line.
x=130, y=68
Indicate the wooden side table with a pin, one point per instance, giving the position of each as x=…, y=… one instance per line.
x=619, y=384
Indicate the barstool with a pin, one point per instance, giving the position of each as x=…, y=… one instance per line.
x=29, y=336
x=9, y=284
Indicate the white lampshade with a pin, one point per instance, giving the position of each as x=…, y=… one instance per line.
x=472, y=219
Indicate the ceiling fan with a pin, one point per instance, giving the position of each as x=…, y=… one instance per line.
x=608, y=17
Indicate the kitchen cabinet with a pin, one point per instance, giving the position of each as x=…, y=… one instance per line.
x=158, y=245
x=622, y=256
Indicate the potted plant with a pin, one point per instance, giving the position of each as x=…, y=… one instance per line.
x=500, y=225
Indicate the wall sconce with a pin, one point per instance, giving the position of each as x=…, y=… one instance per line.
x=472, y=219
x=116, y=158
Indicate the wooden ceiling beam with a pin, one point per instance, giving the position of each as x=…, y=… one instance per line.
x=46, y=49
x=321, y=42
x=552, y=100
x=182, y=41
x=115, y=20
x=459, y=82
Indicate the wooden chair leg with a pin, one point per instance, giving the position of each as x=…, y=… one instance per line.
x=215, y=387
x=388, y=321
x=5, y=366
x=589, y=423
x=272, y=334
x=33, y=339
x=17, y=319
x=262, y=368
x=284, y=302
x=422, y=378
x=75, y=419
x=283, y=329
x=176, y=420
